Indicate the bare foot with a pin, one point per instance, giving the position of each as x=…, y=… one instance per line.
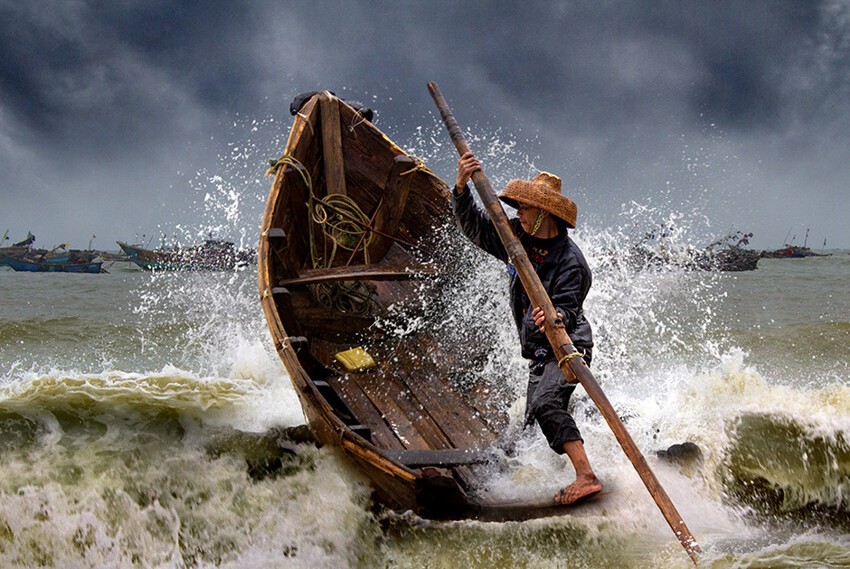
x=581, y=488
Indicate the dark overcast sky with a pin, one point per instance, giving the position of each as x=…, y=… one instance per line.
x=122, y=118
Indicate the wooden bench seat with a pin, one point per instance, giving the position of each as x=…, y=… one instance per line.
x=380, y=272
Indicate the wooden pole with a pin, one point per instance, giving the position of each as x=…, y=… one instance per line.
x=574, y=368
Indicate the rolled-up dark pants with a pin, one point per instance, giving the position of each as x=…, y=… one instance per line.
x=546, y=402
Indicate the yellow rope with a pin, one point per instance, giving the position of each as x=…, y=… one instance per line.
x=418, y=167
x=344, y=224
x=356, y=121
x=421, y=167
x=568, y=357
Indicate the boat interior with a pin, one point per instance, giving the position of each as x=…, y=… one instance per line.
x=351, y=243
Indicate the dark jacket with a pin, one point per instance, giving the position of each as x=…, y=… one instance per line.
x=564, y=274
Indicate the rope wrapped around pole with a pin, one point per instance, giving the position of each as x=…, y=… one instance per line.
x=574, y=368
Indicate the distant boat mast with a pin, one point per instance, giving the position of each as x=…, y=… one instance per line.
x=787, y=234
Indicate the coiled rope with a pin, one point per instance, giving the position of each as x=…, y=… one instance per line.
x=344, y=226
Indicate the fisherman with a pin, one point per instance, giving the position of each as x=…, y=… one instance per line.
x=543, y=216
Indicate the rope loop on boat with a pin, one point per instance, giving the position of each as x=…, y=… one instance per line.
x=568, y=357
x=288, y=160
x=356, y=121
x=418, y=167
x=421, y=167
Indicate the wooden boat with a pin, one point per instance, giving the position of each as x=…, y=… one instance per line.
x=211, y=255
x=726, y=254
x=733, y=259
x=793, y=252
x=57, y=255
x=729, y=255
x=42, y=266
x=13, y=252
x=17, y=250
x=327, y=280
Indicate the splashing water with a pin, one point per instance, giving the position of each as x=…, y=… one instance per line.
x=666, y=358
x=146, y=423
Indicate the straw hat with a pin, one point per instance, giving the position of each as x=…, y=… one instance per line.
x=544, y=192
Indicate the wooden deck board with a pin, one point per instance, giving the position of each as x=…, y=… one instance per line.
x=392, y=411
x=458, y=420
x=414, y=407
x=419, y=417
x=365, y=411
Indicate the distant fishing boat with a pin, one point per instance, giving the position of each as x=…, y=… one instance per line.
x=791, y=251
x=33, y=266
x=13, y=252
x=22, y=257
x=726, y=254
x=733, y=260
x=17, y=250
x=211, y=255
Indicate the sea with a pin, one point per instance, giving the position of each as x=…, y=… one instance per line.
x=146, y=421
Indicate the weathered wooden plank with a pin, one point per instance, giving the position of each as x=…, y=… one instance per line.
x=366, y=412
x=321, y=322
x=332, y=146
x=442, y=362
x=383, y=272
x=368, y=165
x=456, y=418
x=409, y=386
x=279, y=245
x=290, y=206
x=396, y=417
x=441, y=457
x=390, y=209
x=413, y=410
x=377, y=460
x=489, y=400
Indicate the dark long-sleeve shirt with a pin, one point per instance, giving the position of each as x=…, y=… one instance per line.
x=563, y=271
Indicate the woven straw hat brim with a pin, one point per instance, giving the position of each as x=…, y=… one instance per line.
x=540, y=196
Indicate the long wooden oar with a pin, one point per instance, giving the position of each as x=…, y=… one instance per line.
x=572, y=366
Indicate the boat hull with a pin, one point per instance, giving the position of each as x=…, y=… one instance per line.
x=209, y=256
x=23, y=265
x=422, y=437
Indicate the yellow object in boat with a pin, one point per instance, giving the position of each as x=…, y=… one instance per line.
x=355, y=359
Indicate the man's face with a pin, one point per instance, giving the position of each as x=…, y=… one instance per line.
x=527, y=216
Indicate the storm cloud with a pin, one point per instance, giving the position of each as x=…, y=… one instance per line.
x=120, y=118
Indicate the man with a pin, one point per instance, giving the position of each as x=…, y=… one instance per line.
x=541, y=226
